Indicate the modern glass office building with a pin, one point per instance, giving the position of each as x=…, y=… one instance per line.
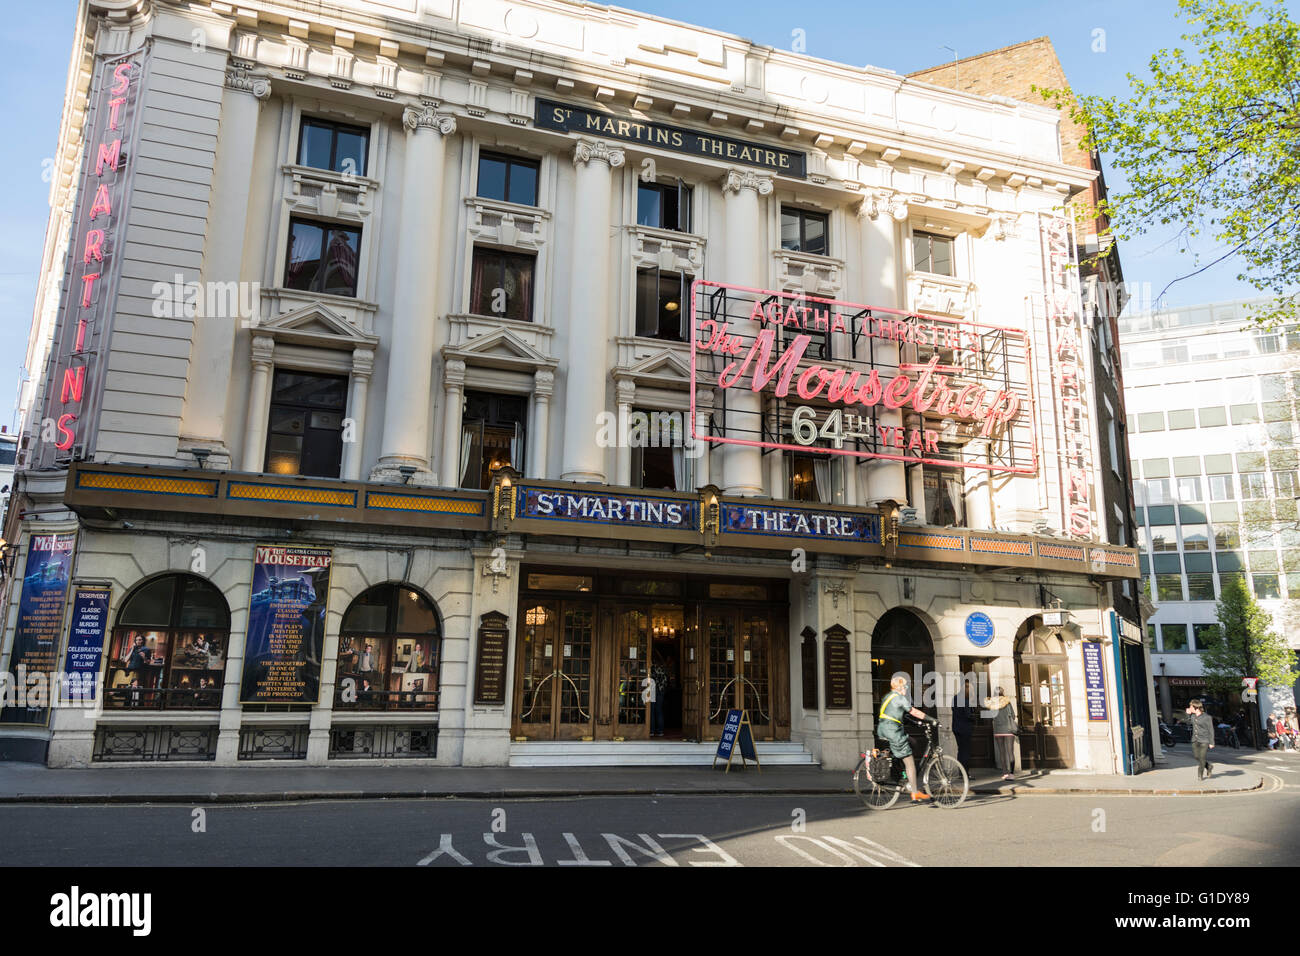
x=1213, y=425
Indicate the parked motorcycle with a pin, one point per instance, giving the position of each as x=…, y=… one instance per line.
x=1166, y=736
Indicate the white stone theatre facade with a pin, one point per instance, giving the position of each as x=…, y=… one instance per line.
x=411, y=379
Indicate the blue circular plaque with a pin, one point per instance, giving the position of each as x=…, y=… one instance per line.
x=979, y=629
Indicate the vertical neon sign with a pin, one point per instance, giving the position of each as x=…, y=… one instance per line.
x=84, y=307
x=1068, y=370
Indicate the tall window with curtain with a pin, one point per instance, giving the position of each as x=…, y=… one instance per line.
x=492, y=436
x=501, y=284
x=322, y=257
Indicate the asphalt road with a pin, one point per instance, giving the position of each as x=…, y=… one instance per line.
x=1251, y=829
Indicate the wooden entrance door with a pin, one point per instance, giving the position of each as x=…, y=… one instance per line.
x=1043, y=699
x=629, y=659
x=740, y=646
x=553, y=684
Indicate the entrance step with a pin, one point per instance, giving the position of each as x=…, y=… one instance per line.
x=646, y=753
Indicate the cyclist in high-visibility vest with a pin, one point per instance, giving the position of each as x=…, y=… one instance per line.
x=889, y=726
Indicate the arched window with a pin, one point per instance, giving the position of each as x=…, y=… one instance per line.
x=900, y=642
x=390, y=647
x=169, y=646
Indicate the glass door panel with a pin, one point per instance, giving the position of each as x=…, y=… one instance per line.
x=755, y=670
x=573, y=670
x=720, y=646
x=632, y=651
x=535, y=685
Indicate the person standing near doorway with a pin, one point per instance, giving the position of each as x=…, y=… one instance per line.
x=963, y=722
x=1005, y=729
x=1202, y=738
x=650, y=697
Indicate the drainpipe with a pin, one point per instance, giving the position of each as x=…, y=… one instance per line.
x=1117, y=642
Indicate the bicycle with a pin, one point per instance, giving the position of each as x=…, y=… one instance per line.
x=877, y=779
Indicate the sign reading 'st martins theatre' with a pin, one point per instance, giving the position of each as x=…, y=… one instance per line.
x=94, y=262
x=577, y=119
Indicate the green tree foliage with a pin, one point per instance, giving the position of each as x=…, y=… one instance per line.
x=1247, y=646
x=1210, y=143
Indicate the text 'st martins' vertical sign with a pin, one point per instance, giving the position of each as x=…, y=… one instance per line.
x=74, y=378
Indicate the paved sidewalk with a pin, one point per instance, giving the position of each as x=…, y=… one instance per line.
x=33, y=783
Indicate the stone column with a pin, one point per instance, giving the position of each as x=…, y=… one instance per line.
x=453, y=409
x=212, y=355
x=703, y=405
x=589, y=311
x=742, y=465
x=258, y=388
x=363, y=364
x=878, y=218
x=412, y=346
x=625, y=395
x=540, y=440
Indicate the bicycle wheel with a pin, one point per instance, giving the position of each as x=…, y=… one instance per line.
x=871, y=793
x=945, y=781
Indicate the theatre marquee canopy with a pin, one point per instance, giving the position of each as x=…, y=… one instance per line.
x=704, y=521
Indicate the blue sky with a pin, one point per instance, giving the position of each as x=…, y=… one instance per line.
x=35, y=48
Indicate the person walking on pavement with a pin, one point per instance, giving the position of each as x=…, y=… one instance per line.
x=963, y=723
x=1005, y=729
x=1202, y=739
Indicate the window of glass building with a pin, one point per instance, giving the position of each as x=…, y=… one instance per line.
x=1205, y=635
x=1173, y=637
x=1142, y=539
x=1245, y=414
x=804, y=231
x=1266, y=586
x=1189, y=489
x=305, y=429
x=493, y=432
x=931, y=253
x=1164, y=537
x=322, y=257
x=663, y=304
x=335, y=146
x=1151, y=422
x=1254, y=484
x=508, y=178
x=1182, y=418
x=1213, y=417
x=1226, y=537
x=664, y=206
x=1221, y=488
x=1284, y=485
x=1175, y=352
x=1281, y=432
x=1169, y=587
x=1200, y=587
x=1195, y=537
x=1158, y=491
x=501, y=284
x=1293, y=586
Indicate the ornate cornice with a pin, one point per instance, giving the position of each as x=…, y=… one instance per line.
x=425, y=117
x=587, y=150
x=737, y=179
